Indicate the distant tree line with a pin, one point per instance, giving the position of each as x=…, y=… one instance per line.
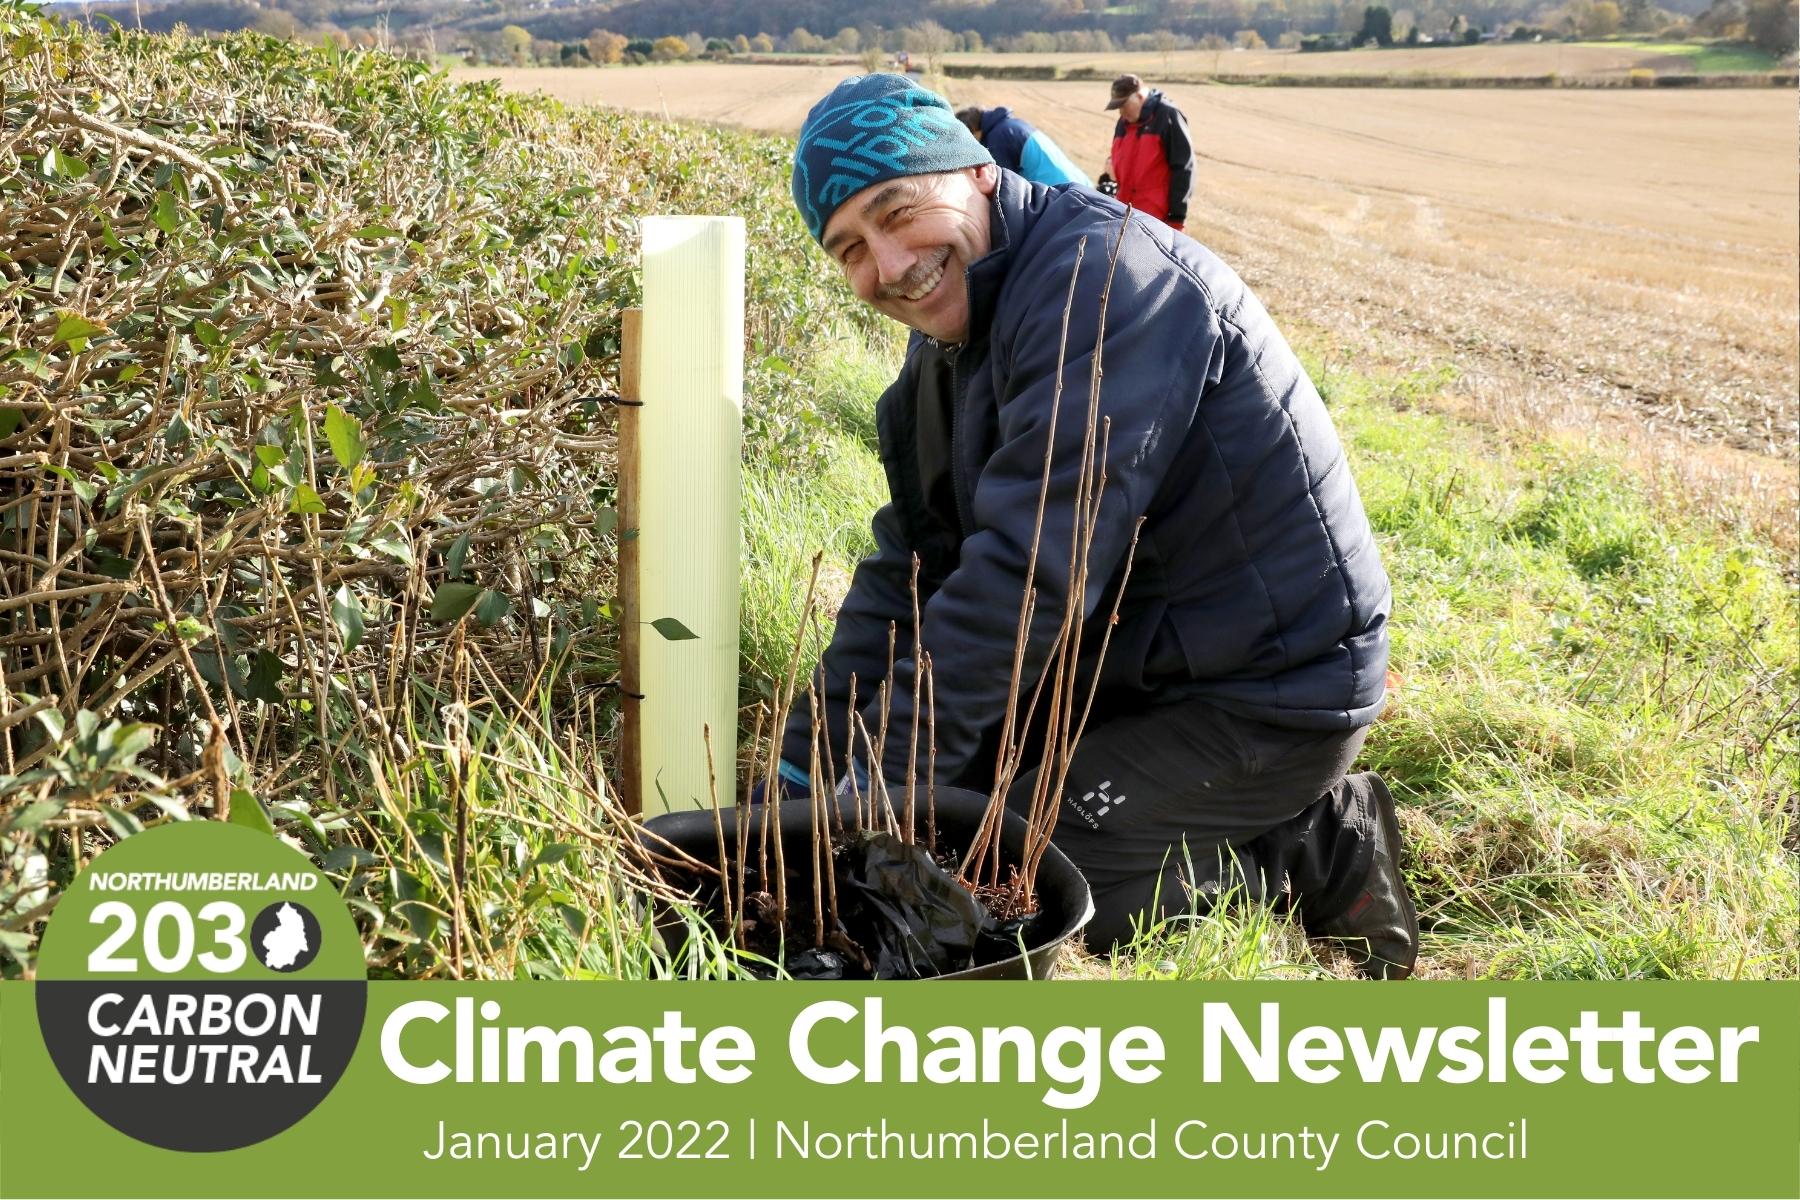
x=624, y=32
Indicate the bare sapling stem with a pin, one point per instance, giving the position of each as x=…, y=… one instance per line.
x=821, y=834
x=771, y=798
x=1118, y=596
x=912, y=749
x=1063, y=661
x=771, y=791
x=784, y=699
x=743, y=824
x=755, y=755
x=712, y=779
x=772, y=816
x=886, y=695
x=815, y=765
x=1091, y=485
x=850, y=753
x=930, y=756
x=882, y=816
x=669, y=852
x=826, y=799
x=821, y=717
x=1006, y=763
x=878, y=752
x=821, y=733
x=994, y=815
x=1042, y=843
x=1065, y=658
x=462, y=783
x=1044, y=787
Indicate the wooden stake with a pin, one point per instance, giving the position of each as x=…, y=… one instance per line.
x=631, y=745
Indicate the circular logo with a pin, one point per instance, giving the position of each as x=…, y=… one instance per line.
x=201, y=986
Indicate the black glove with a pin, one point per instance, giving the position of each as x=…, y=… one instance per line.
x=1109, y=186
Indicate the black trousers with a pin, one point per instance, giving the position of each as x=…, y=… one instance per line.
x=1166, y=807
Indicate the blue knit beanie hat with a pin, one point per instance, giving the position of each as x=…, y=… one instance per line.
x=873, y=128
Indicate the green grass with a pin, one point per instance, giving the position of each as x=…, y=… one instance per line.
x=1593, y=742
x=1708, y=58
x=790, y=514
x=547, y=888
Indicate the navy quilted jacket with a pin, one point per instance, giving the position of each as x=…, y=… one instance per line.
x=1256, y=582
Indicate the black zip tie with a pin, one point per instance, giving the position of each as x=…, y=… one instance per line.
x=614, y=400
x=614, y=683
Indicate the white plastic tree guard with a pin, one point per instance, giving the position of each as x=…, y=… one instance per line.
x=690, y=439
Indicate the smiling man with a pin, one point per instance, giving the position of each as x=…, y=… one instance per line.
x=1250, y=650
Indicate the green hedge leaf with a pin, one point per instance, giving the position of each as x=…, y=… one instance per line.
x=247, y=810
x=344, y=432
x=265, y=678
x=491, y=608
x=452, y=600
x=306, y=500
x=347, y=615
x=673, y=630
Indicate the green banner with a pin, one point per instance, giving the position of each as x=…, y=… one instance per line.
x=201, y=1026
x=989, y=1089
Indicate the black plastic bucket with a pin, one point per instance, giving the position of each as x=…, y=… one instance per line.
x=1064, y=902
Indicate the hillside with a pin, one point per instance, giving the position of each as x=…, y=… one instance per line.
x=873, y=24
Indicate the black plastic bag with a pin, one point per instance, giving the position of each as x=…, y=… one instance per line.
x=817, y=962
x=912, y=918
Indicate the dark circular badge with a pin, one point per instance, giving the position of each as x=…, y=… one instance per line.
x=201, y=986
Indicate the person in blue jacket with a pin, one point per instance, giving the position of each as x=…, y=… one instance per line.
x=1249, y=653
x=1020, y=146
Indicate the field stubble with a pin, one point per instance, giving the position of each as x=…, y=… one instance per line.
x=1617, y=265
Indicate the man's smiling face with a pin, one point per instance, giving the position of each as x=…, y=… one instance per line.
x=905, y=244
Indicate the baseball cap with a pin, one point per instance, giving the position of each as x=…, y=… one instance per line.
x=1124, y=88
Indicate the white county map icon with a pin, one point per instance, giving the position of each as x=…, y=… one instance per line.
x=282, y=947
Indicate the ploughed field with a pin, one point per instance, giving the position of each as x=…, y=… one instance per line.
x=1621, y=261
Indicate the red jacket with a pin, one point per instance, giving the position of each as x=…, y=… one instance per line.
x=1153, y=161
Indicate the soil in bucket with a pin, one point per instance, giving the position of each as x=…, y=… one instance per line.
x=828, y=892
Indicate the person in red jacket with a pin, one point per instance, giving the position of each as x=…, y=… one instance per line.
x=1152, y=160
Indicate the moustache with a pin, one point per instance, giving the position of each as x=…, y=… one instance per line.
x=910, y=282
